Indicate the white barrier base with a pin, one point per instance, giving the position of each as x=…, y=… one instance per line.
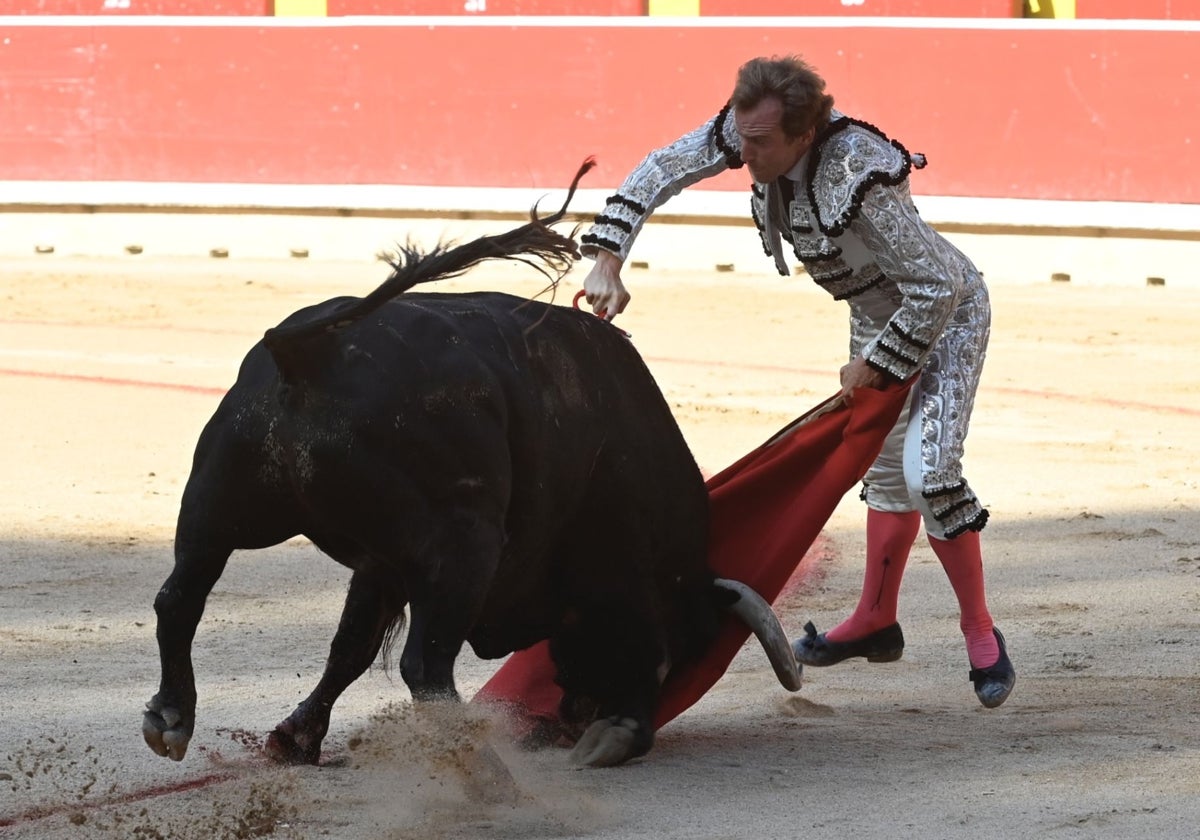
x=1091, y=242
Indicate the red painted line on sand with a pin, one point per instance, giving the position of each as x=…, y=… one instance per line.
x=1025, y=392
x=109, y=380
x=45, y=811
x=85, y=325
x=1107, y=401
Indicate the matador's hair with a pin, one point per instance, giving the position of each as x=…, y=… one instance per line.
x=791, y=80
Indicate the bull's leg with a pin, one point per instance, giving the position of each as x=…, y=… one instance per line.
x=427, y=664
x=445, y=601
x=170, y=715
x=610, y=657
x=373, y=604
x=224, y=507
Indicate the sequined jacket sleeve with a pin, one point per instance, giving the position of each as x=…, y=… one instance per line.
x=664, y=173
x=927, y=271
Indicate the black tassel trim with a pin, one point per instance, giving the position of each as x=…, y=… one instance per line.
x=942, y=515
x=605, y=244
x=944, y=491
x=822, y=256
x=762, y=231
x=924, y=345
x=758, y=191
x=839, y=225
x=732, y=159
x=605, y=219
x=754, y=215
x=976, y=524
x=895, y=354
x=891, y=377
x=836, y=277
x=858, y=291
x=639, y=209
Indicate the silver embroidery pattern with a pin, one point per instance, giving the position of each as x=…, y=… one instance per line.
x=929, y=272
x=851, y=159
x=946, y=397
x=661, y=175
x=810, y=245
x=916, y=302
x=823, y=256
x=940, y=302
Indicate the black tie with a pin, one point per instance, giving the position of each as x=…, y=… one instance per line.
x=788, y=190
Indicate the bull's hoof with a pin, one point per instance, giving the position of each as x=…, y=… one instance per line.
x=283, y=748
x=162, y=730
x=611, y=741
x=546, y=733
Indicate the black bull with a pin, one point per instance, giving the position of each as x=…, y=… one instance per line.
x=506, y=468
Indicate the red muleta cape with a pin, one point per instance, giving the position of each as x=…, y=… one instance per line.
x=765, y=512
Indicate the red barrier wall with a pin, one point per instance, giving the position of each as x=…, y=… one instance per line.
x=335, y=8
x=486, y=7
x=135, y=7
x=1129, y=9
x=875, y=8
x=1022, y=112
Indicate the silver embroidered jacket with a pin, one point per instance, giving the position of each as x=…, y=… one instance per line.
x=853, y=226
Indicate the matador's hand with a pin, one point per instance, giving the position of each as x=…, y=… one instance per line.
x=603, y=287
x=859, y=374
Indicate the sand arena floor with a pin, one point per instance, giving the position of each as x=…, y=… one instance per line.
x=1083, y=446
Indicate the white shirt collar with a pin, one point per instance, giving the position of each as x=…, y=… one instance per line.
x=796, y=173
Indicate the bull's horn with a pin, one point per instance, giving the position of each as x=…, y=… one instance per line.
x=757, y=614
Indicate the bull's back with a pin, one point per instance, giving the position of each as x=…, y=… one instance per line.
x=542, y=408
x=556, y=380
x=571, y=391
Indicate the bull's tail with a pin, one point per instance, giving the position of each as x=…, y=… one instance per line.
x=533, y=243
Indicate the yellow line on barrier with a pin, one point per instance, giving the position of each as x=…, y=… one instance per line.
x=1062, y=9
x=301, y=8
x=673, y=8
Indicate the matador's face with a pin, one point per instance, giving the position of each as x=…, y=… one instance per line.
x=766, y=149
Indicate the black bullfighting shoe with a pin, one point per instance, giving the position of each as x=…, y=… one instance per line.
x=886, y=645
x=994, y=684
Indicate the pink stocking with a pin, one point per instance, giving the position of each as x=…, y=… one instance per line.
x=890, y=537
x=963, y=563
